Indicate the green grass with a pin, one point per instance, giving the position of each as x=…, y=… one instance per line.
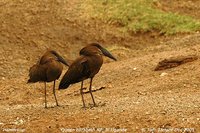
x=141, y=16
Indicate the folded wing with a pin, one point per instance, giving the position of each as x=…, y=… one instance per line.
x=78, y=71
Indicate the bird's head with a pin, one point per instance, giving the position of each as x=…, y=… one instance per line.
x=103, y=50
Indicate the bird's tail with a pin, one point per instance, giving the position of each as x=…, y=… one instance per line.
x=63, y=85
x=36, y=74
x=71, y=76
x=29, y=81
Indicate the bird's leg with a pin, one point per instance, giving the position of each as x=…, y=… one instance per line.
x=45, y=95
x=81, y=91
x=90, y=90
x=54, y=92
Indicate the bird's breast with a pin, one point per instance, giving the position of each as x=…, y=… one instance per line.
x=95, y=63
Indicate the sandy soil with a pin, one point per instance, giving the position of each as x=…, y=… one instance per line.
x=134, y=97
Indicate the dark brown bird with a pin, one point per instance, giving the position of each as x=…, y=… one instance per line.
x=49, y=68
x=84, y=67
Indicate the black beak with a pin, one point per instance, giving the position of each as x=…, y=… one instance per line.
x=61, y=59
x=107, y=53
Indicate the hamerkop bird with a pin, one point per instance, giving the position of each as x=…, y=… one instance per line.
x=49, y=68
x=84, y=67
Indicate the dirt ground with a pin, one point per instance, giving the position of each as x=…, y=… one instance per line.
x=134, y=98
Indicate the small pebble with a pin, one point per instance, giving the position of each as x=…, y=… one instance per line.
x=163, y=74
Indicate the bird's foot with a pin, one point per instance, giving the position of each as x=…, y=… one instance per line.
x=95, y=105
x=84, y=88
x=84, y=107
x=101, y=104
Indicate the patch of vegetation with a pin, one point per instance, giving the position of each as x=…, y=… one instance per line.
x=141, y=16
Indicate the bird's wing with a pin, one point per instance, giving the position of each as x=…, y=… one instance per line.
x=37, y=73
x=78, y=71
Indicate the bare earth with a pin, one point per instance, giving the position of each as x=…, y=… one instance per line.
x=134, y=98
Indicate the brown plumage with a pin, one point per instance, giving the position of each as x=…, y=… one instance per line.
x=84, y=67
x=49, y=68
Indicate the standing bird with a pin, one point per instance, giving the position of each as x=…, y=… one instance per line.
x=84, y=67
x=49, y=68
